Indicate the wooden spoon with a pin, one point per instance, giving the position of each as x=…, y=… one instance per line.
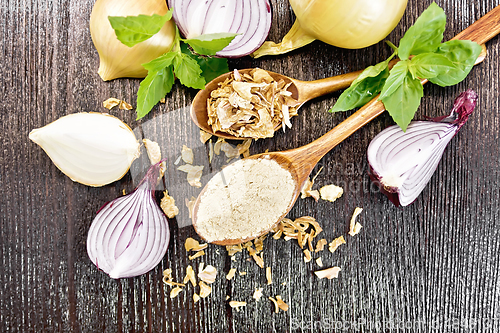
x=301, y=161
x=302, y=91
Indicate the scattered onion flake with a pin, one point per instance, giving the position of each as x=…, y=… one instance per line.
x=153, y=150
x=355, y=227
x=319, y=262
x=204, y=136
x=190, y=276
x=307, y=190
x=331, y=192
x=205, y=289
x=168, y=279
x=167, y=204
x=329, y=273
x=231, y=273
x=237, y=305
x=279, y=304
x=233, y=249
x=175, y=291
x=307, y=255
x=402, y=163
x=187, y=154
x=194, y=173
x=257, y=294
x=190, y=204
x=304, y=229
x=130, y=235
x=196, y=255
x=249, y=19
x=208, y=274
x=193, y=244
x=320, y=245
x=269, y=275
x=336, y=243
x=258, y=260
x=112, y=102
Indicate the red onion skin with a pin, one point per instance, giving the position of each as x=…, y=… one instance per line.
x=463, y=107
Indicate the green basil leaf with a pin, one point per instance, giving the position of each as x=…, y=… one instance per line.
x=425, y=35
x=211, y=67
x=395, y=79
x=161, y=62
x=368, y=84
x=209, y=44
x=404, y=101
x=463, y=54
x=132, y=30
x=152, y=89
x=188, y=71
x=430, y=65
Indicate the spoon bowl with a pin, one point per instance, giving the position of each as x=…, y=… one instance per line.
x=302, y=91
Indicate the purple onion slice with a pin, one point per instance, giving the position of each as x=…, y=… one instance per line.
x=251, y=19
x=130, y=235
x=402, y=163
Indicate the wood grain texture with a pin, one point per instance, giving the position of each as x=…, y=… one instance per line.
x=430, y=267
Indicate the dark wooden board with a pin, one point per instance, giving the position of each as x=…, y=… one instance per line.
x=429, y=267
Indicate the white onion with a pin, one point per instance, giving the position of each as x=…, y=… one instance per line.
x=93, y=148
x=249, y=18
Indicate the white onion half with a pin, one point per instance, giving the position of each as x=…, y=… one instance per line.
x=94, y=149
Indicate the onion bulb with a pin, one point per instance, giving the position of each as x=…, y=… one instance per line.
x=251, y=19
x=347, y=24
x=402, y=163
x=130, y=235
x=116, y=59
x=94, y=149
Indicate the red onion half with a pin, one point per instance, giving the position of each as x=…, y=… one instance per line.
x=402, y=163
x=130, y=235
x=249, y=18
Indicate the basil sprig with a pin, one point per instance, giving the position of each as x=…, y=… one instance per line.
x=400, y=89
x=193, y=69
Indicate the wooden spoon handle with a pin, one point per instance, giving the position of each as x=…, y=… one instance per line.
x=312, y=89
x=483, y=29
x=319, y=147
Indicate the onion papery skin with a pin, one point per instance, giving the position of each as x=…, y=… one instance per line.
x=402, y=163
x=130, y=235
x=249, y=18
x=116, y=59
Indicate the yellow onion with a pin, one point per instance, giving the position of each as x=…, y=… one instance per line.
x=348, y=24
x=116, y=59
